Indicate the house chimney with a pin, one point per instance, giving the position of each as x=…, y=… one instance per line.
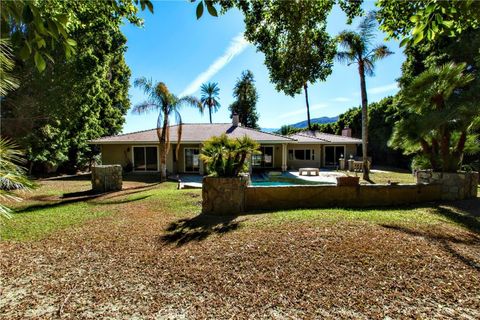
x=235, y=120
x=347, y=132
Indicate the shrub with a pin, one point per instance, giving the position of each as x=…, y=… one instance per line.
x=227, y=157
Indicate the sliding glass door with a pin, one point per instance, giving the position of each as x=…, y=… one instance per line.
x=145, y=159
x=192, y=159
x=264, y=159
x=332, y=154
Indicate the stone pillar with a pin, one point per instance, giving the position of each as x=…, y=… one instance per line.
x=223, y=196
x=350, y=164
x=342, y=163
x=455, y=185
x=284, y=157
x=107, y=178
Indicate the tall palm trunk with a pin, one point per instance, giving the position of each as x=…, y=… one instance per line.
x=163, y=149
x=363, y=88
x=308, y=106
x=210, y=112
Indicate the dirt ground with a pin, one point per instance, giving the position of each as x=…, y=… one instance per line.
x=148, y=261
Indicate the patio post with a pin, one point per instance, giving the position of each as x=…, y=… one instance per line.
x=284, y=157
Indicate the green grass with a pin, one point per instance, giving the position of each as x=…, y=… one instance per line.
x=36, y=222
x=384, y=177
x=36, y=218
x=384, y=215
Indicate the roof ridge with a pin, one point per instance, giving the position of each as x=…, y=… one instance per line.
x=124, y=134
x=309, y=136
x=140, y=131
x=270, y=133
x=336, y=135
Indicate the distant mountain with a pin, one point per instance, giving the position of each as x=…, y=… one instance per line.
x=303, y=124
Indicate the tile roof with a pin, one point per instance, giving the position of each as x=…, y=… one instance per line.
x=194, y=133
x=326, y=138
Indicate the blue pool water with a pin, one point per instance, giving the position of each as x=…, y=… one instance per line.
x=271, y=183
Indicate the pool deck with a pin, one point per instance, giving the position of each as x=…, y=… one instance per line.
x=193, y=181
x=323, y=176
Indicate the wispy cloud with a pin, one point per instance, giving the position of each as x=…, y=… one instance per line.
x=237, y=46
x=341, y=99
x=383, y=89
x=302, y=111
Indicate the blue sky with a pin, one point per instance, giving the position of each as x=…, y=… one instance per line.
x=176, y=48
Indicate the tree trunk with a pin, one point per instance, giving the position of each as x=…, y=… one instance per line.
x=445, y=150
x=430, y=152
x=210, y=113
x=308, y=106
x=458, y=153
x=363, y=88
x=163, y=148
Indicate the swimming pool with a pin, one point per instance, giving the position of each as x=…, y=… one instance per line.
x=279, y=181
x=267, y=183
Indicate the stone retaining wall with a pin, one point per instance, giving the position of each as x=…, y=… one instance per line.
x=455, y=186
x=107, y=178
x=293, y=197
x=223, y=196
x=226, y=196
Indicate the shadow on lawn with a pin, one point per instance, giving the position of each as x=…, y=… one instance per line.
x=198, y=228
x=465, y=213
x=444, y=242
x=87, y=196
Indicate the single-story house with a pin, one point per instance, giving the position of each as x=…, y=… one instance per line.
x=140, y=151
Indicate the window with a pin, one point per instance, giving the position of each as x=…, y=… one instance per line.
x=145, y=159
x=301, y=154
x=264, y=159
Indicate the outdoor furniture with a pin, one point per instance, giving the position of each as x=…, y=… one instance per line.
x=358, y=165
x=309, y=171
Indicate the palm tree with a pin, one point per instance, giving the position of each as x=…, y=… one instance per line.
x=168, y=105
x=210, y=97
x=12, y=174
x=442, y=117
x=227, y=157
x=358, y=50
x=8, y=82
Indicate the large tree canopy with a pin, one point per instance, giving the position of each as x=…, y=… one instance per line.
x=442, y=114
x=36, y=27
x=53, y=114
x=246, y=98
x=424, y=21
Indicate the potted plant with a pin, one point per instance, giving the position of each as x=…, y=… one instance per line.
x=226, y=162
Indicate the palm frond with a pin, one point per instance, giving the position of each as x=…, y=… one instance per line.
x=144, y=107
x=145, y=84
x=163, y=94
x=8, y=81
x=345, y=57
x=190, y=101
x=351, y=44
x=379, y=52
x=367, y=28
x=12, y=174
x=369, y=67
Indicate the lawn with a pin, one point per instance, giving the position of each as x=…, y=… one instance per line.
x=145, y=252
